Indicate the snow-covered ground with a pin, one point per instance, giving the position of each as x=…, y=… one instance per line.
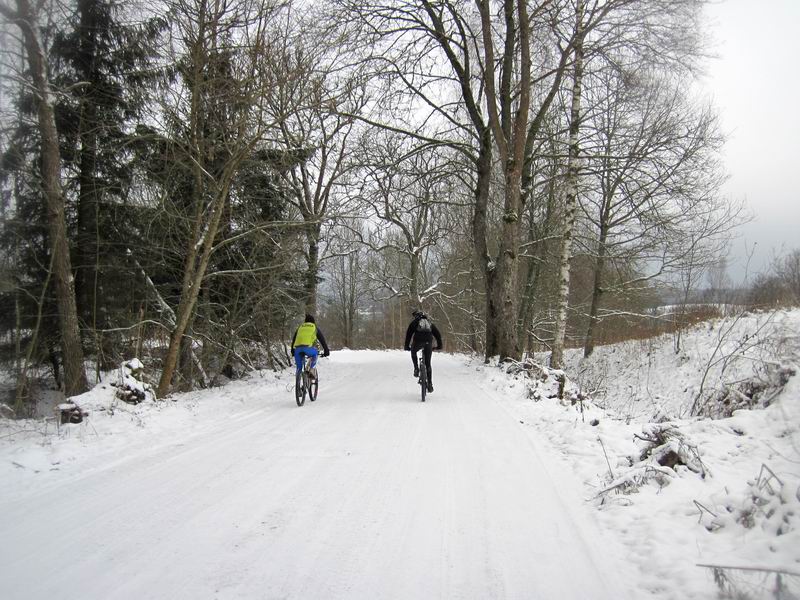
x=488, y=490
x=723, y=512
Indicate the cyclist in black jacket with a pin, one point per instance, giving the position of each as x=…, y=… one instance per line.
x=419, y=336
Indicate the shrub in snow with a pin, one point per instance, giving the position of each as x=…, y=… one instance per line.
x=664, y=452
x=755, y=584
x=772, y=506
x=766, y=503
x=528, y=368
x=633, y=478
x=666, y=445
x=129, y=383
x=548, y=383
x=754, y=392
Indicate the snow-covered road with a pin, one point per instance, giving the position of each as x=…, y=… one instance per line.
x=366, y=493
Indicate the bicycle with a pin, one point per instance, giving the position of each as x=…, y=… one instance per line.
x=306, y=382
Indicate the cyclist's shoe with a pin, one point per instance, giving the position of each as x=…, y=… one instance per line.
x=416, y=371
x=430, y=388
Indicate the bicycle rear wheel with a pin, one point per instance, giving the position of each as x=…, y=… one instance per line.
x=423, y=380
x=300, y=388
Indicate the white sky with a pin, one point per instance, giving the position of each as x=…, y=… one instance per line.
x=755, y=85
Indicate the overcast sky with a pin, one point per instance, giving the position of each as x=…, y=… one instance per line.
x=755, y=83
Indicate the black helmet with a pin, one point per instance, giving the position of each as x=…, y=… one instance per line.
x=310, y=318
x=416, y=313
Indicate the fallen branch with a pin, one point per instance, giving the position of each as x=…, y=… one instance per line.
x=750, y=568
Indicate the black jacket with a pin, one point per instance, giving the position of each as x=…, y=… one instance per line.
x=420, y=338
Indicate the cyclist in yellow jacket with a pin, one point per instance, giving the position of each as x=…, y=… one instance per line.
x=305, y=338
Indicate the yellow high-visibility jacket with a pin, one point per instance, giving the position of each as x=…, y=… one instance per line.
x=306, y=335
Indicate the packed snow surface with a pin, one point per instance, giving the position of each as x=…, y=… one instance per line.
x=365, y=493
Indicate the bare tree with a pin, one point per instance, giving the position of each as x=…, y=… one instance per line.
x=657, y=175
x=408, y=189
x=570, y=193
x=701, y=246
x=788, y=270
x=468, y=69
x=314, y=104
x=28, y=18
x=623, y=35
x=508, y=107
x=346, y=287
x=227, y=47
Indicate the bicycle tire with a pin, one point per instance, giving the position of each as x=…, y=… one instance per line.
x=299, y=389
x=313, y=387
x=423, y=380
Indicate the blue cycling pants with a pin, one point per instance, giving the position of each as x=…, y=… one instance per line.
x=299, y=351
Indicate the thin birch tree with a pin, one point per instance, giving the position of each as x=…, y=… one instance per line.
x=570, y=194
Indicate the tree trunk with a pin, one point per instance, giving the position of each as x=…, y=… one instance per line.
x=86, y=254
x=508, y=109
x=413, y=290
x=505, y=289
x=535, y=266
x=526, y=302
x=72, y=352
x=483, y=174
x=312, y=271
x=597, y=291
x=353, y=299
x=204, y=229
x=87, y=247
x=571, y=195
x=196, y=267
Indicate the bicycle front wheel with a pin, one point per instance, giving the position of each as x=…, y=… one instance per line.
x=300, y=388
x=313, y=386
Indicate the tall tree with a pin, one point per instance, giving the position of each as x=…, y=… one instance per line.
x=106, y=63
x=27, y=18
x=656, y=171
x=313, y=107
x=508, y=106
x=407, y=190
x=347, y=289
x=570, y=193
x=448, y=57
x=627, y=35
x=226, y=78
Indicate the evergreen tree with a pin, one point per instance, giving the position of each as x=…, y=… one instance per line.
x=108, y=67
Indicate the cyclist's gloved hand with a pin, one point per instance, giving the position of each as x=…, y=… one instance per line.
x=407, y=348
x=326, y=353
x=438, y=347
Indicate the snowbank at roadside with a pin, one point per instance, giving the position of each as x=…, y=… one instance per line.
x=691, y=491
x=115, y=429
